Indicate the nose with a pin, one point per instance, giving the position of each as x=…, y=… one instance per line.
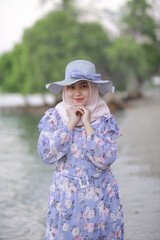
x=77, y=92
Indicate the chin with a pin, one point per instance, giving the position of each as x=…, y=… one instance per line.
x=78, y=104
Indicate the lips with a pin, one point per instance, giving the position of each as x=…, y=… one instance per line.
x=78, y=99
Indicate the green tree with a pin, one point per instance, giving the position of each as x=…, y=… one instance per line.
x=6, y=64
x=128, y=66
x=48, y=46
x=13, y=70
x=138, y=47
x=138, y=22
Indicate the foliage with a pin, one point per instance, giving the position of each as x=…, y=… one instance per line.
x=46, y=49
x=135, y=55
x=59, y=38
x=138, y=22
x=126, y=61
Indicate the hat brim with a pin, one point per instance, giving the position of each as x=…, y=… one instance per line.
x=103, y=86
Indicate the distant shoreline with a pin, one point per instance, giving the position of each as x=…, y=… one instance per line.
x=40, y=102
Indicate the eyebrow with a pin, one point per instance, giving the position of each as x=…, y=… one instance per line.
x=84, y=82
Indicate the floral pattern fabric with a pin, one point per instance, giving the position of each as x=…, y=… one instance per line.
x=84, y=201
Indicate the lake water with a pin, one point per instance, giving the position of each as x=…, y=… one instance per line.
x=24, y=179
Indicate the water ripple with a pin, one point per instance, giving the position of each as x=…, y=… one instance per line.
x=24, y=179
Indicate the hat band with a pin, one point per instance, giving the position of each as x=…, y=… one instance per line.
x=79, y=75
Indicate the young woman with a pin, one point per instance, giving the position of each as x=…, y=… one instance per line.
x=79, y=137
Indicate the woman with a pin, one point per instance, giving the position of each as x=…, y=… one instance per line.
x=79, y=137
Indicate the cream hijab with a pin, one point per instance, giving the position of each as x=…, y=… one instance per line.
x=96, y=105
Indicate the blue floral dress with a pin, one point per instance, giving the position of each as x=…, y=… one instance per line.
x=84, y=201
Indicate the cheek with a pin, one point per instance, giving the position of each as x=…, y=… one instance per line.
x=87, y=94
x=69, y=94
x=69, y=97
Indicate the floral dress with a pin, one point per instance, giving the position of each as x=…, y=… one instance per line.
x=84, y=201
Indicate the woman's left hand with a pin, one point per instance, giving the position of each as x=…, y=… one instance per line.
x=86, y=115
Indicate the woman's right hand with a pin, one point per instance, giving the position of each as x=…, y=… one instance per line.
x=74, y=117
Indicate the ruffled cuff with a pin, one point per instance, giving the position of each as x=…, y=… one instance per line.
x=49, y=121
x=111, y=128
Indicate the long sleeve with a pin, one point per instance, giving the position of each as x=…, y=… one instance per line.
x=101, y=145
x=53, y=142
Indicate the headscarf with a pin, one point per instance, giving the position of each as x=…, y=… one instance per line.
x=95, y=105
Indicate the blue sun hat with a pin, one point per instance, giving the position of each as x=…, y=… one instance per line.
x=81, y=70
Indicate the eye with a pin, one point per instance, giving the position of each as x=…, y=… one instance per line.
x=71, y=87
x=84, y=86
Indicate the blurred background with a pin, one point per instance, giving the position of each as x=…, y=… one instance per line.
x=38, y=39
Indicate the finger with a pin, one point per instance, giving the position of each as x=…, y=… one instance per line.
x=84, y=109
x=78, y=109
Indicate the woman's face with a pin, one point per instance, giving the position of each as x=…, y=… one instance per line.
x=78, y=93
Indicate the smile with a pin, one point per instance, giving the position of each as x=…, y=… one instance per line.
x=78, y=99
